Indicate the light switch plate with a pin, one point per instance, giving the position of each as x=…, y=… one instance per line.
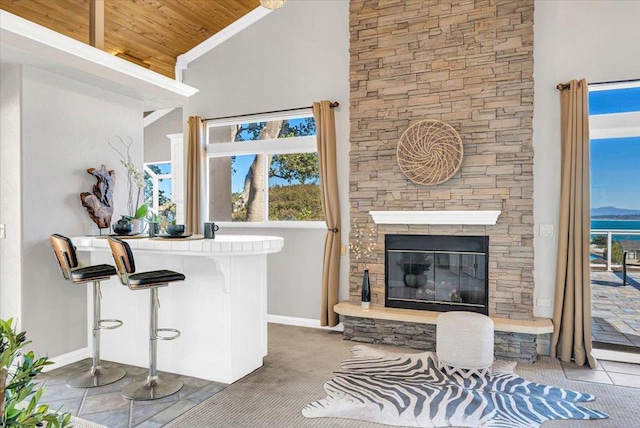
x=546, y=230
x=3, y=234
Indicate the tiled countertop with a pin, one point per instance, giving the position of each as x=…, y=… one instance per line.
x=221, y=245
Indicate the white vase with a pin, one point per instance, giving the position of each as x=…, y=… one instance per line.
x=138, y=226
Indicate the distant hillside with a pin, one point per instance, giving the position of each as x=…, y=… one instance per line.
x=613, y=212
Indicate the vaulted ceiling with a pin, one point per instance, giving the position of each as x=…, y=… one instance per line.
x=151, y=33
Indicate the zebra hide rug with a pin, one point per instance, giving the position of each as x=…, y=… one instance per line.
x=409, y=390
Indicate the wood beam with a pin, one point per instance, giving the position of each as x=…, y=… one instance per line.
x=96, y=24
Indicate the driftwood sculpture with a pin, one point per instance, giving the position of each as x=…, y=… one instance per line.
x=99, y=204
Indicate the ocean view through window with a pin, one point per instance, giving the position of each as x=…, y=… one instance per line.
x=614, y=116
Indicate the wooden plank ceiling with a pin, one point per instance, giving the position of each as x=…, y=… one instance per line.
x=151, y=33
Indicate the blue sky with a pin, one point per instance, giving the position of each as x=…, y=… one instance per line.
x=615, y=162
x=241, y=165
x=614, y=101
x=615, y=173
x=165, y=184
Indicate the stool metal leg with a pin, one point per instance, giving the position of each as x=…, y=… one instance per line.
x=98, y=375
x=153, y=387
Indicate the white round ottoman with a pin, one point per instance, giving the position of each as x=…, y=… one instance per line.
x=464, y=343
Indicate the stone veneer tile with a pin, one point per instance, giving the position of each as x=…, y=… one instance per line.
x=469, y=64
x=519, y=347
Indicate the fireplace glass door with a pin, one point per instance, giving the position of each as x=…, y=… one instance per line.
x=440, y=280
x=438, y=277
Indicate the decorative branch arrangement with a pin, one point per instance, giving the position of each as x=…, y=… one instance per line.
x=99, y=204
x=363, y=244
x=134, y=177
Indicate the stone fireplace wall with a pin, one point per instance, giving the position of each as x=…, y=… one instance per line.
x=467, y=63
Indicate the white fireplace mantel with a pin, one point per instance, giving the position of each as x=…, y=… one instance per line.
x=487, y=218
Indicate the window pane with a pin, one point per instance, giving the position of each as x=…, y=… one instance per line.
x=236, y=188
x=164, y=191
x=160, y=168
x=615, y=196
x=157, y=191
x=221, y=134
x=294, y=188
x=260, y=187
x=614, y=101
x=298, y=127
x=615, y=167
x=148, y=189
x=262, y=130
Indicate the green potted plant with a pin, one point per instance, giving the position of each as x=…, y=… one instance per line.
x=17, y=384
x=139, y=218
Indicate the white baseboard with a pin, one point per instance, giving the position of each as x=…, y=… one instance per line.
x=301, y=322
x=68, y=358
x=623, y=357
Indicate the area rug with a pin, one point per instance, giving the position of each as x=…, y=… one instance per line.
x=409, y=390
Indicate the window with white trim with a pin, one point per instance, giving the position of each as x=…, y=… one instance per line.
x=264, y=170
x=157, y=191
x=614, y=131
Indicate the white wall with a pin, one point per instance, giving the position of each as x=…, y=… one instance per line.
x=157, y=146
x=292, y=57
x=10, y=200
x=597, y=40
x=65, y=128
x=290, y=273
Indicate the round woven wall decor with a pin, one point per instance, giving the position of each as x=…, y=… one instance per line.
x=429, y=152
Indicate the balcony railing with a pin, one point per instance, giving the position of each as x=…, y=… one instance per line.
x=609, y=234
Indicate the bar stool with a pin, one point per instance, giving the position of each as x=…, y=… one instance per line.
x=65, y=254
x=153, y=387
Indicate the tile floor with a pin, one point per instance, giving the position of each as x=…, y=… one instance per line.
x=609, y=372
x=105, y=405
x=616, y=308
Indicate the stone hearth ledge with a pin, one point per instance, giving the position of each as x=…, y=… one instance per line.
x=536, y=327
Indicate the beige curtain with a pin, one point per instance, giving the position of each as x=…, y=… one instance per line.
x=194, y=161
x=326, y=136
x=572, y=310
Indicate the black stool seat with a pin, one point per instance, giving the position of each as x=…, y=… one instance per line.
x=91, y=273
x=154, y=277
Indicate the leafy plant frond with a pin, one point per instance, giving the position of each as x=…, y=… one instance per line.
x=17, y=384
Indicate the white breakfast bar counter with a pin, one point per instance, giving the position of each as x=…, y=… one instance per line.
x=220, y=308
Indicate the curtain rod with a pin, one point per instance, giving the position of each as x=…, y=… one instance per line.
x=565, y=86
x=333, y=105
x=614, y=81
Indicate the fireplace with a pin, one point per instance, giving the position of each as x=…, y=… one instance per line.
x=437, y=273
